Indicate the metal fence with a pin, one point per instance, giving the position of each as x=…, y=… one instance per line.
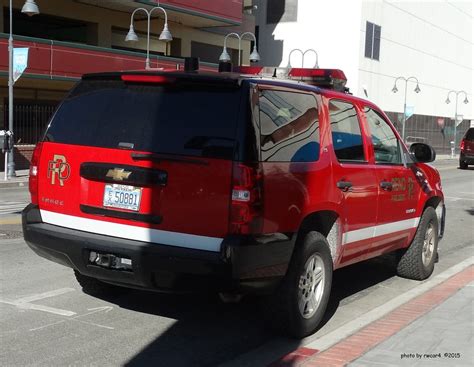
x=435, y=131
x=30, y=121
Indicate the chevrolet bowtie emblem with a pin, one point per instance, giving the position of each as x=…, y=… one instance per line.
x=118, y=174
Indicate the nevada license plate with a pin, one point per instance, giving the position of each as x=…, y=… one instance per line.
x=122, y=197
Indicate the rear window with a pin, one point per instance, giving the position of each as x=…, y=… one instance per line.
x=190, y=119
x=470, y=134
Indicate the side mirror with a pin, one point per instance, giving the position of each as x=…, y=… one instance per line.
x=422, y=152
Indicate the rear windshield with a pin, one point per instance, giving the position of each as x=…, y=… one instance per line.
x=470, y=134
x=196, y=120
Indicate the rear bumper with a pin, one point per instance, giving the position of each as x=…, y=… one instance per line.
x=467, y=158
x=244, y=264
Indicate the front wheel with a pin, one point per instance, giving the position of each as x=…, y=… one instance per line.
x=418, y=260
x=298, y=306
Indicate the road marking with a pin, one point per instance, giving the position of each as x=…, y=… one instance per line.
x=24, y=303
x=10, y=207
x=105, y=309
x=10, y=220
x=37, y=297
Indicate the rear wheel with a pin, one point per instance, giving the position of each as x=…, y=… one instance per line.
x=462, y=164
x=298, y=306
x=418, y=260
x=95, y=287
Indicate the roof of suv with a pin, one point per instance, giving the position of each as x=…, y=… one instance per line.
x=227, y=78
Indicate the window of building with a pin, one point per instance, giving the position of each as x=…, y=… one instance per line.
x=372, y=41
x=279, y=11
x=346, y=134
x=289, y=127
x=386, y=145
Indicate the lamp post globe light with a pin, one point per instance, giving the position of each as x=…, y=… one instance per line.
x=29, y=8
x=165, y=34
x=395, y=90
x=303, y=53
x=254, y=56
x=448, y=101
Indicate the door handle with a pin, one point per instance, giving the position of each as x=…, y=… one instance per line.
x=344, y=185
x=386, y=185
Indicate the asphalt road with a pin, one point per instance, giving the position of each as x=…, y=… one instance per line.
x=47, y=320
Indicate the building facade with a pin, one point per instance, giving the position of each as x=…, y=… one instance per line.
x=73, y=37
x=374, y=42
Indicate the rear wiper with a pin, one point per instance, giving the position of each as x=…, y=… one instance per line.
x=160, y=158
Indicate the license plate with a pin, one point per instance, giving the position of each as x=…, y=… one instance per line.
x=122, y=197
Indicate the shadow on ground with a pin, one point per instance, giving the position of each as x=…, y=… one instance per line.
x=208, y=332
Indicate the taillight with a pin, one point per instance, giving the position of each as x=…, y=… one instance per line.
x=462, y=145
x=34, y=171
x=246, y=202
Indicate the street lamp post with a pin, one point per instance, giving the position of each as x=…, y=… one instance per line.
x=165, y=34
x=29, y=8
x=303, y=53
x=254, y=56
x=466, y=101
x=395, y=90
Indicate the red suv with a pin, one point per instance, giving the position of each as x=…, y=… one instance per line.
x=236, y=182
x=467, y=149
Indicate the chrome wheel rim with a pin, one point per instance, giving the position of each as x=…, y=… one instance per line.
x=311, y=286
x=428, y=245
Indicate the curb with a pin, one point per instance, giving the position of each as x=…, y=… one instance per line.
x=7, y=184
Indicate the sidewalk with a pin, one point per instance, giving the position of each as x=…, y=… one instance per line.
x=21, y=179
x=432, y=329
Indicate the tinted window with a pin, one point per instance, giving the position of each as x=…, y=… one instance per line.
x=470, y=134
x=289, y=127
x=386, y=145
x=188, y=120
x=346, y=135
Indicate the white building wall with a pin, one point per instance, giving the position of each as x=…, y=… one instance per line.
x=430, y=40
x=329, y=27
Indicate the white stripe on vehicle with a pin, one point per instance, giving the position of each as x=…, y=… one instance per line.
x=379, y=230
x=133, y=232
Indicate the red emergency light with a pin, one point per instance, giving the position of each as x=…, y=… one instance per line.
x=325, y=78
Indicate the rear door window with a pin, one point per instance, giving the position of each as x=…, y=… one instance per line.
x=289, y=126
x=194, y=120
x=346, y=134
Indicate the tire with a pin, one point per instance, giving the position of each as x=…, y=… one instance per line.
x=298, y=306
x=417, y=262
x=462, y=164
x=95, y=287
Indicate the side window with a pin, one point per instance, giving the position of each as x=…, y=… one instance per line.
x=386, y=145
x=346, y=135
x=289, y=127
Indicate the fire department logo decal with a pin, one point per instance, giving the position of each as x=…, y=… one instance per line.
x=58, y=169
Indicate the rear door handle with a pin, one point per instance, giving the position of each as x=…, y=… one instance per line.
x=386, y=185
x=344, y=185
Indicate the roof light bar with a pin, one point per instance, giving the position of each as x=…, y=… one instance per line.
x=325, y=78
